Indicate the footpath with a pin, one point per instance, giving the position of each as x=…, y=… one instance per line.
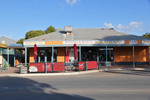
x=14, y=71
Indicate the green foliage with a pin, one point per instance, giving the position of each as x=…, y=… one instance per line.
x=50, y=29
x=35, y=33
x=32, y=34
x=20, y=41
x=147, y=35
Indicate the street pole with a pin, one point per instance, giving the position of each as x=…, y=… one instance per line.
x=80, y=53
x=25, y=56
x=14, y=57
x=106, y=57
x=8, y=58
x=133, y=58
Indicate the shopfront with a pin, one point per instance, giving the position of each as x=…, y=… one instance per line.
x=92, y=45
x=113, y=55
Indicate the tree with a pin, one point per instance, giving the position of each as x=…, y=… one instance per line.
x=20, y=52
x=20, y=41
x=32, y=34
x=50, y=29
x=147, y=35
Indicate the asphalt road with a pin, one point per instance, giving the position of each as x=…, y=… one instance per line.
x=115, y=85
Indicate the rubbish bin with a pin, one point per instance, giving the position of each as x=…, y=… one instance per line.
x=23, y=70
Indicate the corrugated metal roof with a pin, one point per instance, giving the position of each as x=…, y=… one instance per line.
x=87, y=34
x=15, y=46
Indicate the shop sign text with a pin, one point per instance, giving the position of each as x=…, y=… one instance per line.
x=32, y=43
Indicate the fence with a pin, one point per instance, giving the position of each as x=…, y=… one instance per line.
x=91, y=65
x=57, y=66
x=61, y=66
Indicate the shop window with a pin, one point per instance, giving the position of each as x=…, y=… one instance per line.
x=42, y=55
x=71, y=55
x=102, y=54
x=49, y=55
x=89, y=54
x=55, y=55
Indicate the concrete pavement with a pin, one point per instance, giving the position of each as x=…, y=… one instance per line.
x=13, y=71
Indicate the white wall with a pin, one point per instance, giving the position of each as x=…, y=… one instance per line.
x=1, y=59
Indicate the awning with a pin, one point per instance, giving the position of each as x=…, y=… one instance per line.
x=15, y=46
x=3, y=45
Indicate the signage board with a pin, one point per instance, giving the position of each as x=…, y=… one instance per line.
x=36, y=42
x=109, y=42
x=133, y=42
x=86, y=42
x=78, y=42
x=146, y=42
x=94, y=42
x=81, y=65
x=36, y=67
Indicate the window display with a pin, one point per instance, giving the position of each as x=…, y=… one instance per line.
x=91, y=54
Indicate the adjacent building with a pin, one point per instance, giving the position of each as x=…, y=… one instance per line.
x=4, y=52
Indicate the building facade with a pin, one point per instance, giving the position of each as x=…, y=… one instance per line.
x=5, y=52
x=104, y=45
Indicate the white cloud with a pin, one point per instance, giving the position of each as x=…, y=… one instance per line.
x=71, y=2
x=109, y=25
x=130, y=27
x=135, y=24
x=133, y=27
x=120, y=27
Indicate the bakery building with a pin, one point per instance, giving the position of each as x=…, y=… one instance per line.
x=103, y=45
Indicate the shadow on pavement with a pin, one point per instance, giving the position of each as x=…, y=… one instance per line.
x=16, y=88
x=130, y=72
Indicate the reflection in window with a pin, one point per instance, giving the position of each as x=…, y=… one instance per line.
x=55, y=55
x=102, y=54
x=42, y=53
x=91, y=54
x=49, y=54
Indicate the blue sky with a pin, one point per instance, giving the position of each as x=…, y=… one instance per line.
x=20, y=16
